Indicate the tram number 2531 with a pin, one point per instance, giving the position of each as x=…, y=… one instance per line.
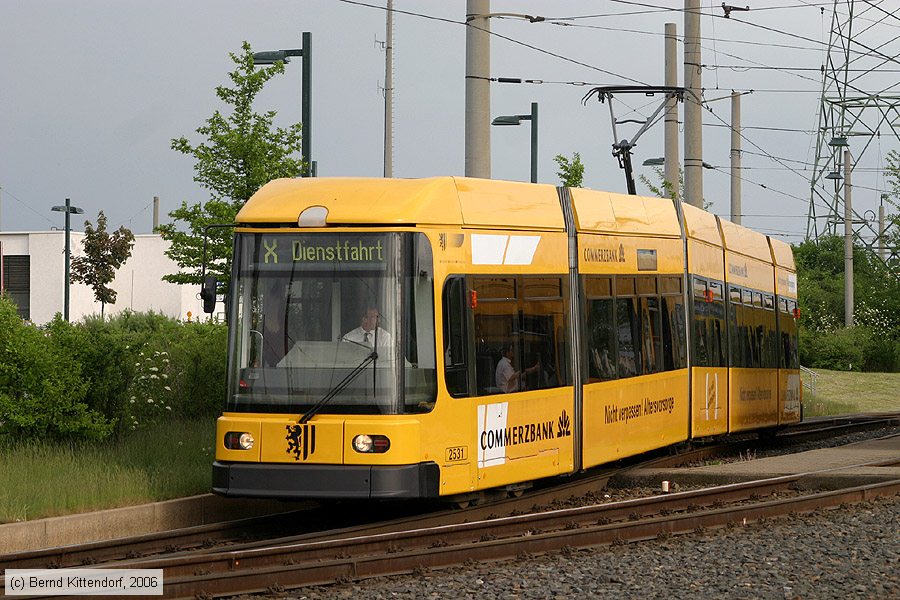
x=457, y=453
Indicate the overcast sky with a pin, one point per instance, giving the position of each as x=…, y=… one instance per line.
x=92, y=92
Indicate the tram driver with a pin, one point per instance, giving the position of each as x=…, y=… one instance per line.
x=369, y=330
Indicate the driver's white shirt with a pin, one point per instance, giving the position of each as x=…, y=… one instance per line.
x=359, y=335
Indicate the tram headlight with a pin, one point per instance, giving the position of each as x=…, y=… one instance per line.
x=371, y=444
x=236, y=440
x=363, y=443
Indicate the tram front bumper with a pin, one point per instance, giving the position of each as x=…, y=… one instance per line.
x=294, y=482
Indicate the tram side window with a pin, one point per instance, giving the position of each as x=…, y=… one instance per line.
x=788, y=357
x=759, y=332
x=738, y=338
x=784, y=351
x=456, y=363
x=628, y=336
x=496, y=322
x=526, y=314
x=674, y=355
x=771, y=337
x=795, y=345
x=701, y=344
x=716, y=326
x=543, y=332
x=601, y=333
x=651, y=335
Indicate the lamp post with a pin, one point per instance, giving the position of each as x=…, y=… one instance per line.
x=270, y=58
x=516, y=120
x=69, y=210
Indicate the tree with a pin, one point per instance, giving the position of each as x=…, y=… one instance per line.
x=876, y=287
x=103, y=255
x=241, y=151
x=571, y=172
x=666, y=189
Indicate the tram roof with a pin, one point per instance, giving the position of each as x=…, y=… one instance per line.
x=782, y=253
x=601, y=212
x=489, y=203
x=745, y=241
x=701, y=225
x=433, y=201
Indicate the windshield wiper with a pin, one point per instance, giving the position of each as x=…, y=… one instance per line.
x=337, y=389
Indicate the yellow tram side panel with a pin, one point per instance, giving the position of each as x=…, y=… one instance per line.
x=709, y=401
x=489, y=441
x=789, y=385
x=752, y=393
x=709, y=385
x=524, y=436
x=630, y=416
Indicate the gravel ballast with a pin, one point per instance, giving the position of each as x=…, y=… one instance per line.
x=851, y=552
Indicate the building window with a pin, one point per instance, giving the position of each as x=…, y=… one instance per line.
x=17, y=282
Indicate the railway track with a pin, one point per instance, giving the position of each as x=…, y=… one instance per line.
x=275, y=567
x=200, y=560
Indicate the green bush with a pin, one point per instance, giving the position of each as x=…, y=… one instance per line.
x=88, y=379
x=42, y=391
x=858, y=348
x=180, y=370
x=105, y=356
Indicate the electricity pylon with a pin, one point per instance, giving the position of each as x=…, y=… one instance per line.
x=860, y=102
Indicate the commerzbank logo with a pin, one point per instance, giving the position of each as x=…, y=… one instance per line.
x=495, y=435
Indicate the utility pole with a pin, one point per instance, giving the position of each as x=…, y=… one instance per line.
x=848, y=244
x=736, y=158
x=672, y=166
x=389, y=92
x=693, y=113
x=882, y=243
x=155, y=214
x=478, y=91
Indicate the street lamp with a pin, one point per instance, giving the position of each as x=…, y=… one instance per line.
x=273, y=56
x=516, y=120
x=69, y=210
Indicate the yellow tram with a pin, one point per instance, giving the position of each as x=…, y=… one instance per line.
x=444, y=336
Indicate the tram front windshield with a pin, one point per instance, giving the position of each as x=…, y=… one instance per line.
x=347, y=316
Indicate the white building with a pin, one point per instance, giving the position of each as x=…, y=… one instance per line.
x=33, y=274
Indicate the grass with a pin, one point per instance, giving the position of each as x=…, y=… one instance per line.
x=44, y=479
x=848, y=392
